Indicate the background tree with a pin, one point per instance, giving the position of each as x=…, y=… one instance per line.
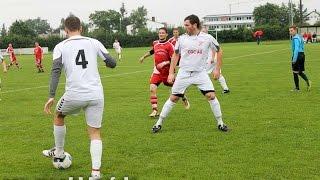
x=3, y=30
x=21, y=28
x=109, y=20
x=138, y=18
x=39, y=26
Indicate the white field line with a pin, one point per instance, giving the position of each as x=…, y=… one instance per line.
x=102, y=77
x=136, y=72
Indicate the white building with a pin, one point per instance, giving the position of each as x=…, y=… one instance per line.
x=152, y=25
x=313, y=17
x=228, y=21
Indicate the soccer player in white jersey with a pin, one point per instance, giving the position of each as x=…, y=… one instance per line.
x=3, y=63
x=77, y=56
x=117, y=48
x=211, y=65
x=194, y=48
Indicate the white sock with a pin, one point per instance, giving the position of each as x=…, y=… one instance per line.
x=59, y=136
x=96, y=153
x=223, y=82
x=166, y=109
x=215, y=107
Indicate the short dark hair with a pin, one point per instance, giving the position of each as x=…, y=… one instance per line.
x=164, y=28
x=193, y=20
x=72, y=23
x=294, y=27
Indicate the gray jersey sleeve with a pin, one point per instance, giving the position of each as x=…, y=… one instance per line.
x=214, y=45
x=110, y=62
x=104, y=54
x=55, y=75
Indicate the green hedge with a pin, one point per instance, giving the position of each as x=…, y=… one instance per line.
x=146, y=38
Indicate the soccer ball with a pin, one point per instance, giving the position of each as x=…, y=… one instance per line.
x=62, y=164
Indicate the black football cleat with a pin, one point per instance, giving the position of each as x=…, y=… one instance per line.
x=223, y=128
x=156, y=129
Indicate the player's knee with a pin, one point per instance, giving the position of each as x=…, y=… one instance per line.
x=94, y=133
x=174, y=98
x=59, y=119
x=153, y=88
x=210, y=95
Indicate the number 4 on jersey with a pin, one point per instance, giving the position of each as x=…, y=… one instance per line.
x=83, y=61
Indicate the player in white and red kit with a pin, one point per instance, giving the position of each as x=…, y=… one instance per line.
x=13, y=58
x=117, y=48
x=38, y=52
x=162, y=50
x=194, y=48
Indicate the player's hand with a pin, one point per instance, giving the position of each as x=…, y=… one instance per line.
x=171, y=78
x=48, y=105
x=216, y=74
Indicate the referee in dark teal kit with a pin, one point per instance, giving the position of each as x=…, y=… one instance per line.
x=298, y=59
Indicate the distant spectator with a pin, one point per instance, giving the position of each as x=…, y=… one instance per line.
x=314, y=37
x=305, y=37
x=309, y=37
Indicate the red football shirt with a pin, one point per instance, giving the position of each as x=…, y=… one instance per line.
x=163, y=51
x=38, y=52
x=10, y=50
x=173, y=41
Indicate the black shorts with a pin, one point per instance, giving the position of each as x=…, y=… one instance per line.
x=299, y=65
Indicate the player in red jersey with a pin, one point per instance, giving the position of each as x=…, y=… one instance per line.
x=38, y=52
x=175, y=37
x=162, y=50
x=13, y=59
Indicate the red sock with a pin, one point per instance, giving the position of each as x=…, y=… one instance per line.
x=154, y=102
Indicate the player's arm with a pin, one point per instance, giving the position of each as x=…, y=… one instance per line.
x=296, y=50
x=148, y=54
x=214, y=45
x=54, y=79
x=104, y=54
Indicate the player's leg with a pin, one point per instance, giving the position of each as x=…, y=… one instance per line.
x=155, y=81
x=119, y=55
x=300, y=61
x=94, y=114
x=295, y=72
x=223, y=84
x=15, y=61
x=63, y=108
x=3, y=65
x=181, y=83
x=37, y=65
x=205, y=85
x=154, y=100
x=184, y=98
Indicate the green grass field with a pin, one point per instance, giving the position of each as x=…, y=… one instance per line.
x=275, y=132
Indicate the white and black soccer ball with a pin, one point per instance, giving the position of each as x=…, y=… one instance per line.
x=62, y=163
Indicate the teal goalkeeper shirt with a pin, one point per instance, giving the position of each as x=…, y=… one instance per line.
x=297, y=46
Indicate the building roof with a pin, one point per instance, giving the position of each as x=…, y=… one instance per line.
x=234, y=14
x=315, y=11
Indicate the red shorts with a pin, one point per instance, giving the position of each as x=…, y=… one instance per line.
x=13, y=58
x=38, y=61
x=157, y=79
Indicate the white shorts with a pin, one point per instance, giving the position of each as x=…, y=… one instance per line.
x=185, y=79
x=93, y=110
x=1, y=58
x=118, y=51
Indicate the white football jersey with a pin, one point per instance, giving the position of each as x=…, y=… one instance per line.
x=194, y=51
x=79, y=59
x=116, y=45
